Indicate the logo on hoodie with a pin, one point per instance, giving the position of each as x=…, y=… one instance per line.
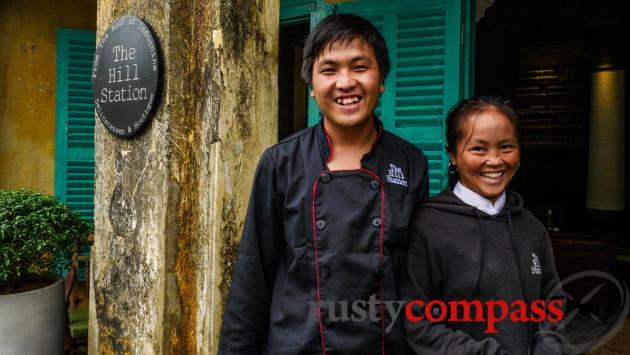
x=395, y=176
x=536, y=269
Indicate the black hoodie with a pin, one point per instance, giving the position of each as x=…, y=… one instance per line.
x=458, y=252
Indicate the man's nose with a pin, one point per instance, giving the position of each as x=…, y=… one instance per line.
x=346, y=81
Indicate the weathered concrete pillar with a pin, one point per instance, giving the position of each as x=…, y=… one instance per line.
x=170, y=203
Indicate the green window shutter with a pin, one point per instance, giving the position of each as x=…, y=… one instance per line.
x=295, y=11
x=427, y=45
x=74, y=141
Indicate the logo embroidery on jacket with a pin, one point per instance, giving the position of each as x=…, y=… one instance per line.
x=395, y=176
x=536, y=269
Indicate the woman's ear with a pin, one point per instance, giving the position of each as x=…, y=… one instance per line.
x=451, y=156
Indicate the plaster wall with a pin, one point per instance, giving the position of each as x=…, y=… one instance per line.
x=28, y=84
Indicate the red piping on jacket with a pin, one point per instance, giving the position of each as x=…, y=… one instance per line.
x=319, y=316
x=321, y=329
x=330, y=150
x=379, y=131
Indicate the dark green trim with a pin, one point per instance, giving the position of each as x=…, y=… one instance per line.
x=296, y=11
x=468, y=50
x=453, y=69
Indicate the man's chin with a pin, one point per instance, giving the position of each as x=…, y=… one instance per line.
x=350, y=122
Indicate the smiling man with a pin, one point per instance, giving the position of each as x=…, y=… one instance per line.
x=328, y=216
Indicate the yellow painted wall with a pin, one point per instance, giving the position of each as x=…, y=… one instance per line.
x=27, y=86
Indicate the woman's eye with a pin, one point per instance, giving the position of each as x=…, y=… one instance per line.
x=507, y=147
x=327, y=71
x=360, y=68
x=477, y=149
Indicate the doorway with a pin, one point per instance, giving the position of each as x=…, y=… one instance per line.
x=293, y=91
x=541, y=54
x=545, y=55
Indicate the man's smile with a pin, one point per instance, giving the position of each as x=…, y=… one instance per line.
x=347, y=100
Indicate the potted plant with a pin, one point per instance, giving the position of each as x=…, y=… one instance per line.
x=38, y=236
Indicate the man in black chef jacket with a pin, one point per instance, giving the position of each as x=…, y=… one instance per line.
x=326, y=227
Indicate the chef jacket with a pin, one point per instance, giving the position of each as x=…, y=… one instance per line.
x=315, y=239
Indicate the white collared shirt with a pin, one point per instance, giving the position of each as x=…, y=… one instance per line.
x=474, y=199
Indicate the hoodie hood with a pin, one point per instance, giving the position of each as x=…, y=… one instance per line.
x=447, y=201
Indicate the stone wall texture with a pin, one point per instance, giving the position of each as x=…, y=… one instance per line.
x=170, y=202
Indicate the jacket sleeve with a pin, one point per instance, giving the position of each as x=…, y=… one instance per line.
x=420, y=280
x=246, y=315
x=547, y=340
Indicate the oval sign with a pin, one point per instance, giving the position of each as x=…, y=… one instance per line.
x=126, y=76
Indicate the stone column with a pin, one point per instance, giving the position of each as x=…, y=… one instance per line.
x=170, y=202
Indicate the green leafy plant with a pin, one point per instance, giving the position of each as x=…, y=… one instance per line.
x=38, y=235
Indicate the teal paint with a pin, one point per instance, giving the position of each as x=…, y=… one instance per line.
x=74, y=135
x=61, y=126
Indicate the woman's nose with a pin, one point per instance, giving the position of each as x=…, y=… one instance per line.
x=494, y=159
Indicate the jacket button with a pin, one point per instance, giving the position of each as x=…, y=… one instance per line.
x=376, y=222
x=324, y=272
x=325, y=178
x=375, y=184
x=327, y=322
x=378, y=274
x=321, y=224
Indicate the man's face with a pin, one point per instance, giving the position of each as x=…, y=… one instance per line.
x=347, y=83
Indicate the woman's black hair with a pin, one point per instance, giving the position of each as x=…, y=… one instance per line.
x=343, y=28
x=465, y=109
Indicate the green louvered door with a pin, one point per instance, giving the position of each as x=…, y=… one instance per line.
x=427, y=43
x=74, y=144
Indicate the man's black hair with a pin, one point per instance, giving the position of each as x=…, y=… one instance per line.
x=343, y=28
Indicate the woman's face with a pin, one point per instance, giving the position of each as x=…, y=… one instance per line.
x=487, y=155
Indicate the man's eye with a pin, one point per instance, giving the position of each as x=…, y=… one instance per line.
x=327, y=71
x=360, y=68
x=507, y=147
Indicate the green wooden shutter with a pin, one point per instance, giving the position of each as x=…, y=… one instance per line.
x=296, y=11
x=428, y=44
x=74, y=144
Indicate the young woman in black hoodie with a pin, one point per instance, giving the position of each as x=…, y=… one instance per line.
x=476, y=242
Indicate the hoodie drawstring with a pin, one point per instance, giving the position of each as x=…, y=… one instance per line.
x=520, y=275
x=518, y=266
x=481, y=256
